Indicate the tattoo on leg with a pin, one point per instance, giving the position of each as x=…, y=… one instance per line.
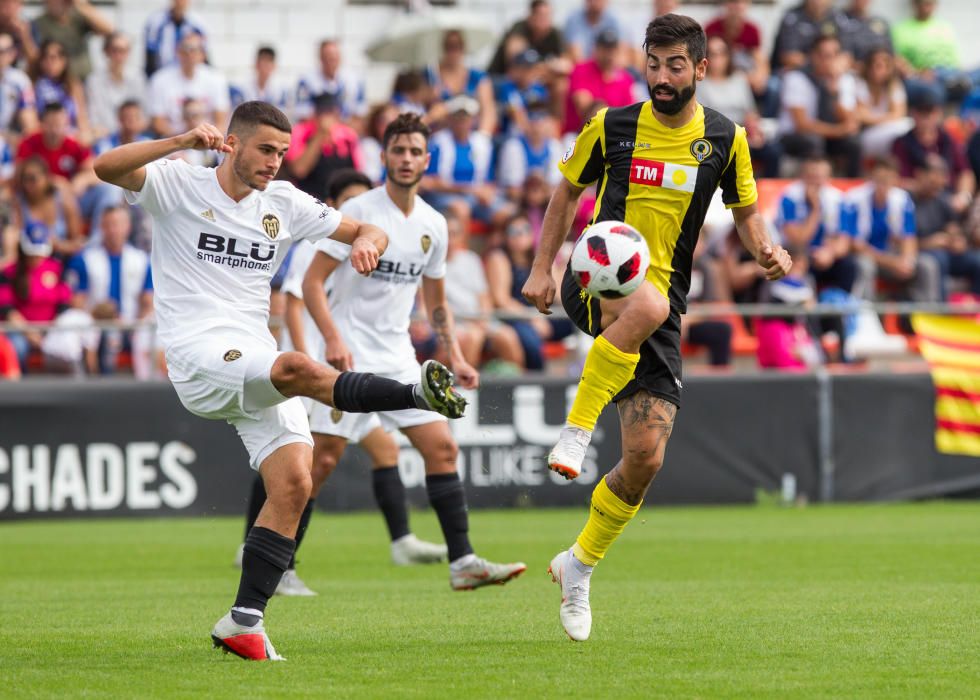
x=646, y=422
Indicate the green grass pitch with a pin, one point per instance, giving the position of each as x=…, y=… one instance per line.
x=822, y=602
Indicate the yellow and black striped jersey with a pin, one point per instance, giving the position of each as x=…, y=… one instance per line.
x=661, y=181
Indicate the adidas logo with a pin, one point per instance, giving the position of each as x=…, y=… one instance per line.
x=208, y=214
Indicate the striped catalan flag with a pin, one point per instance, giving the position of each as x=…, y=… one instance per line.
x=951, y=346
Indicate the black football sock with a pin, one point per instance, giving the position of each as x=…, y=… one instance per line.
x=449, y=502
x=266, y=557
x=362, y=392
x=255, y=502
x=304, y=522
x=389, y=492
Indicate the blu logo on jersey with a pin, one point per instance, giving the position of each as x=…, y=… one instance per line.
x=232, y=252
x=655, y=173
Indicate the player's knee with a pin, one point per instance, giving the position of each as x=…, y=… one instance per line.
x=649, y=311
x=643, y=463
x=289, y=367
x=293, y=489
x=323, y=466
x=442, y=453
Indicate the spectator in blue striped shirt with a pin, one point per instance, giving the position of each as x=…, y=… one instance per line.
x=163, y=32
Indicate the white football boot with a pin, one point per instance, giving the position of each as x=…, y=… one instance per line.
x=477, y=572
x=250, y=643
x=409, y=550
x=567, y=456
x=292, y=585
x=575, y=613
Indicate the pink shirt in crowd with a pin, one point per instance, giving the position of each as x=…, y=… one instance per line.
x=343, y=142
x=46, y=291
x=587, y=76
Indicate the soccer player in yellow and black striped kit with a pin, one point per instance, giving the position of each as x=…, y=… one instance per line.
x=657, y=164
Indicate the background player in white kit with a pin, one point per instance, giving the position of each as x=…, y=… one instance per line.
x=218, y=236
x=305, y=337
x=366, y=325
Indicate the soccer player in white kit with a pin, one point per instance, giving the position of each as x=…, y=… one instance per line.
x=305, y=337
x=365, y=327
x=218, y=236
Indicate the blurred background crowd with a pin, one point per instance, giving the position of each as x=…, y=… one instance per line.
x=862, y=129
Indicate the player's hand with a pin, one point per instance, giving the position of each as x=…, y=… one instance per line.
x=466, y=375
x=540, y=290
x=205, y=137
x=364, y=256
x=339, y=356
x=776, y=261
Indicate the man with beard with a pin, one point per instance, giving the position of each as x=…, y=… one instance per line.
x=658, y=164
x=219, y=235
x=365, y=327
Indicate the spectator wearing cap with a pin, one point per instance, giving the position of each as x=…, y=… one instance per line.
x=519, y=89
x=882, y=225
x=331, y=79
x=190, y=78
x=929, y=56
x=600, y=78
x=460, y=167
x=18, y=111
x=32, y=290
x=800, y=28
x=451, y=77
x=862, y=32
x=818, y=110
x=264, y=84
x=108, y=87
x=163, y=32
x=321, y=145
x=938, y=227
x=70, y=23
x=929, y=137
x=584, y=26
x=67, y=158
x=113, y=272
x=534, y=151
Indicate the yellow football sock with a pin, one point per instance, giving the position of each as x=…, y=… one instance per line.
x=608, y=516
x=607, y=370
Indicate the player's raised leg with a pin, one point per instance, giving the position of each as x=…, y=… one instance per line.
x=296, y=374
x=646, y=422
x=268, y=550
x=609, y=366
x=467, y=571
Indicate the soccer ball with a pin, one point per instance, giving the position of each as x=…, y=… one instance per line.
x=610, y=259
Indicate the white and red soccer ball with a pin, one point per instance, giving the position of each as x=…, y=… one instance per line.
x=610, y=259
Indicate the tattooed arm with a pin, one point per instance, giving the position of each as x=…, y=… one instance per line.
x=441, y=319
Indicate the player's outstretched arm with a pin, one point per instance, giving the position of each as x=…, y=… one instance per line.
x=752, y=230
x=315, y=297
x=124, y=165
x=444, y=326
x=540, y=286
x=367, y=242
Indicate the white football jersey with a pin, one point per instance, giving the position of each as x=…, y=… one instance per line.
x=373, y=313
x=213, y=258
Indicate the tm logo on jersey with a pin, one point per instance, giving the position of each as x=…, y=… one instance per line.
x=671, y=176
x=235, y=253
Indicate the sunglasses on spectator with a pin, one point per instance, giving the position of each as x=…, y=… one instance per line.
x=32, y=177
x=54, y=54
x=518, y=230
x=119, y=48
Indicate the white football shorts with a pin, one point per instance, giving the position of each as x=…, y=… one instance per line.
x=228, y=377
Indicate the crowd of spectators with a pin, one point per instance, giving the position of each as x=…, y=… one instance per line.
x=872, y=125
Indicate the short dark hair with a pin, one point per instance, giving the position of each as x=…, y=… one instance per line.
x=127, y=104
x=51, y=108
x=669, y=30
x=266, y=52
x=535, y=4
x=886, y=162
x=343, y=178
x=405, y=123
x=824, y=39
x=251, y=114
